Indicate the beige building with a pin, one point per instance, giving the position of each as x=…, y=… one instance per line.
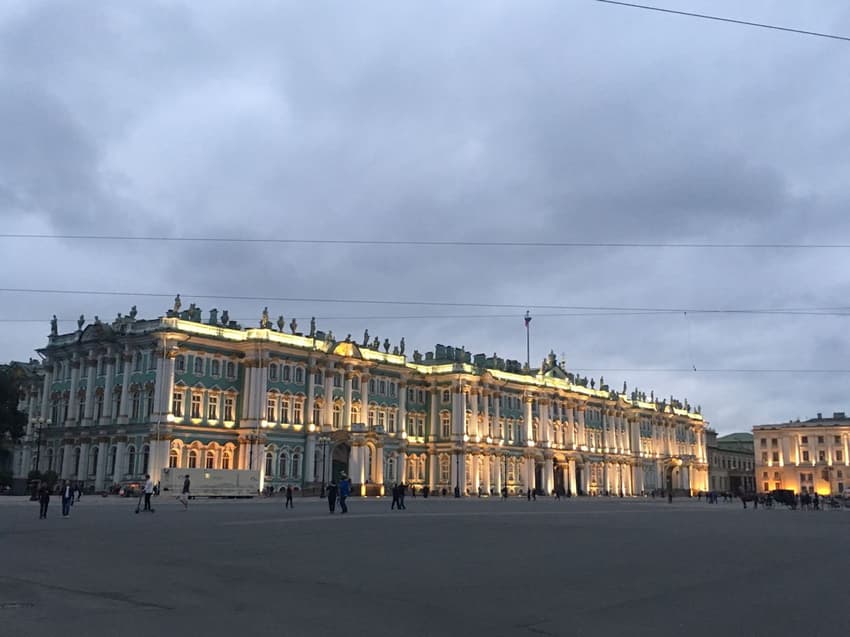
x=806, y=457
x=731, y=462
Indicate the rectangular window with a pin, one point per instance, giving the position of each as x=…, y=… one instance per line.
x=821, y=456
x=272, y=372
x=271, y=410
x=766, y=486
x=199, y=365
x=136, y=406
x=297, y=412
x=284, y=410
x=392, y=389
x=215, y=368
x=445, y=425
x=152, y=359
x=299, y=375
x=805, y=456
x=763, y=442
x=286, y=373
x=804, y=440
x=420, y=427
x=337, y=380
x=774, y=442
x=231, y=370
x=446, y=396
x=382, y=388
x=355, y=383
x=212, y=408
x=228, y=408
x=839, y=455
x=371, y=418
x=196, y=405
x=177, y=404
x=381, y=419
x=775, y=456
x=820, y=440
x=837, y=440
x=411, y=395
x=764, y=456
x=391, y=422
x=317, y=378
x=180, y=364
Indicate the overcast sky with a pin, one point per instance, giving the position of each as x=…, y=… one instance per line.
x=468, y=121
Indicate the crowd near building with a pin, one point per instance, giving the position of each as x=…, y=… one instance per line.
x=731, y=464
x=110, y=402
x=805, y=457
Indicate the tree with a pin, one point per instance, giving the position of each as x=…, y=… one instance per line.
x=12, y=421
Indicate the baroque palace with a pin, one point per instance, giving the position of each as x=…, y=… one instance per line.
x=112, y=402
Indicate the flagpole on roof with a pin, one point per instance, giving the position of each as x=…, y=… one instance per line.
x=527, y=340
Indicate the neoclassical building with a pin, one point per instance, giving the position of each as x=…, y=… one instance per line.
x=812, y=456
x=111, y=402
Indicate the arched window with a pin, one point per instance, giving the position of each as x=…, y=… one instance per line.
x=411, y=469
x=317, y=413
x=299, y=375
x=296, y=465
x=113, y=454
x=281, y=466
x=93, y=457
x=193, y=458
x=337, y=419
x=227, y=459
x=272, y=372
x=390, y=469
x=355, y=413
x=173, y=458
x=269, y=463
x=445, y=470
x=146, y=456
x=210, y=460
x=131, y=460
x=231, y=370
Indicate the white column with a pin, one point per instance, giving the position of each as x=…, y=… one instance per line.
x=108, y=392
x=433, y=470
x=124, y=405
x=573, y=481
x=311, y=383
x=364, y=398
x=525, y=472
x=401, y=467
x=91, y=369
x=458, y=413
x=100, y=470
x=310, y=458
x=402, y=409
x=74, y=406
x=83, y=469
x=378, y=467
x=486, y=475
x=328, y=405
x=529, y=419
x=487, y=424
x=474, y=428
x=549, y=477
x=346, y=412
x=435, y=415
x=499, y=466
x=545, y=422
x=475, y=473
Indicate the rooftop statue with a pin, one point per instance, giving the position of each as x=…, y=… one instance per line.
x=330, y=336
x=177, y=304
x=281, y=323
x=293, y=326
x=624, y=388
x=195, y=313
x=81, y=321
x=133, y=313
x=366, y=338
x=348, y=338
x=264, y=319
x=376, y=344
x=312, y=327
x=417, y=356
x=225, y=318
x=54, y=326
x=395, y=350
x=214, y=316
x=401, y=346
x=387, y=345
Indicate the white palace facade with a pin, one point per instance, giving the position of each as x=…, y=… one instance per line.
x=112, y=402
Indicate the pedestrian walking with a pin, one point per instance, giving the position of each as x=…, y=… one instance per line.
x=332, y=495
x=67, y=497
x=78, y=492
x=395, y=503
x=402, y=489
x=288, y=504
x=184, y=494
x=148, y=492
x=344, y=491
x=43, y=501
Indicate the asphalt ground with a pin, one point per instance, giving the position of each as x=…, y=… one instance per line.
x=580, y=566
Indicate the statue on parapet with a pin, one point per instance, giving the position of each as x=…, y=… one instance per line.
x=401, y=346
x=214, y=316
x=387, y=345
x=329, y=337
x=417, y=356
x=133, y=313
x=293, y=325
x=97, y=320
x=281, y=323
x=395, y=350
x=81, y=321
x=348, y=338
x=312, y=326
x=366, y=338
x=264, y=319
x=195, y=313
x=376, y=344
x=54, y=326
x=225, y=318
x=177, y=305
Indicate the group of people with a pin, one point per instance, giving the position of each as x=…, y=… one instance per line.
x=69, y=492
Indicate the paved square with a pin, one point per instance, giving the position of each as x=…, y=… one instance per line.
x=442, y=567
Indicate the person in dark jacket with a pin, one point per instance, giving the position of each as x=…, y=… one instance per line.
x=344, y=492
x=332, y=495
x=43, y=500
x=395, y=498
x=288, y=504
x=402, y=490
x=67, y=498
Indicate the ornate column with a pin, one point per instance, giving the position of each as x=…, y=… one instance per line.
x=74, y=405
x=529, y=419
x=543, y=430
x=310, y=459
x=124, y=405
x=311, y=390
x=475, y=473
x=328, y=405
x=401, y=469
x=497, y=399
x=364, y=397
x=434, y=415
x=91, y=369
x=100, y=469
x=433, y=470
x=402, y=408
x=487, y=424
x=378, y=467
x=474, y=430
x=346, y=412
x=83, y=469
x=458, y=413
x=108, y=392
x=569, y=425
x=45, y=392
x=485, y=461
x=582, y=434
x=120, y=453
x=499, y=465
x=549, y=472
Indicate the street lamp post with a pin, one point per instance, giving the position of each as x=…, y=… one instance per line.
x=324, y=441
x=505, y=485
x=457, y=473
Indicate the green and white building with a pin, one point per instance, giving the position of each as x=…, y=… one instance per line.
x=111, y=402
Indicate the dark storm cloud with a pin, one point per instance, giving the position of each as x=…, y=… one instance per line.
x=482, y=121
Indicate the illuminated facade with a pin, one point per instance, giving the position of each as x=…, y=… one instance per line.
x=114, y=402
x=806, y=457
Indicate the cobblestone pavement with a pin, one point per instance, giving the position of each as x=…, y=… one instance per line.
x=577, y=566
